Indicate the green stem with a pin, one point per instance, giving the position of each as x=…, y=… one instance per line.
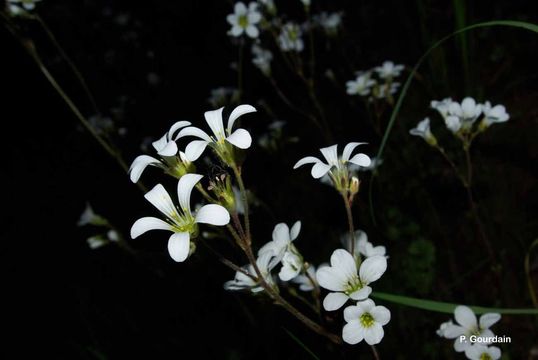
x=350, y=225
x=239, y=178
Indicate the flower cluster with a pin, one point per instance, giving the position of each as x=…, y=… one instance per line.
x=465, y=120
x=471, y=336
x=181, y=220
x=107, y=233
x=376, y=83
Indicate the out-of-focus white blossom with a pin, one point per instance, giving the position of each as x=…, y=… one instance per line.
x=261, y=58
x=290, y=38
x=362, y=85
x=388, y=70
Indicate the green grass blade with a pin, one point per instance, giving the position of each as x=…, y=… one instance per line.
x=405, y=88
x=301, y=344
x=444, y=307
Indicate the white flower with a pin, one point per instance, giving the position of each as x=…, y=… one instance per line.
x=365, y=321
x=423, y=130
x=244, y=20
x=98, y=241
x=180, y=220
x=21, y=7
x=282, y=250
x=341, y=278
x=291, y=266
x=467, y=326
x=166, y=147
x=493, y=115
x=362, y=246
x=305, y=281
x=482, y=352
x=290, y=38
x=243, y=281
x=442, y=106
x=334, y=164
x=89, y=217
x=329, y=22
x=262, y=59
x=362, y=85
x=388, y=70
x=459, y=116
x=240, y=137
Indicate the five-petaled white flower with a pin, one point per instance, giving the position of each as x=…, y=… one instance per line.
x=244, y=20
x=493, y=115
x=334, y=164
x=290, y=38
x=423, y=130
x=243, y=281
x=482, y=352
x=166, y=147
x=362, y=85
x=365, y=321
x=341, y=278
x=388, y=70
x=240, y=137
x=182, y=222
x=282, y=250
x=467, y=326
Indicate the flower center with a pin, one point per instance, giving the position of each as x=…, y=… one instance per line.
x=367, y=320
x=353, y=285
x=485, y=356
x=243, y=21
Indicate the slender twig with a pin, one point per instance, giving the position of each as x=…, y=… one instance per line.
x=350, y=224
x=374, y=352
x=69, y=62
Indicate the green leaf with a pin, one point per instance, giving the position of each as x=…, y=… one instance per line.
x=403, y=93
x=444, y=307
x=301, y=344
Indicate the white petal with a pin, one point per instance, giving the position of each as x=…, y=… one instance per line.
x=160, y=198
x=236, y=113
x=372, y=268
x=361, y=294
x=240, y=138
x=465, y=317
x=306, y=160
x=361, y=160
x=179, y=246
x=320, y=169
x=334, y=301
x=213, y=214
x=330, y=154
x=461, y=345
x=343, y=262
x=353, y=333
x=474, y=352
x=193, y=131
x=281, y=234
x=161, y=143
x=184, y=189
x=214, y=120
x=330, y=279
x=169, y=150
x=254, y=17
x=295, y=230
x=381, y=315
x=178, y=125
x=252, y=31
x=352, y=313
x=195, y=149
x=236, y=30
x=494, y=352
x=374, y=334
x=145, y=224
x=489, y=319
x=240, y=8
x=366, y=305
x=139, y=165
x=349, y=149
x=453, y=331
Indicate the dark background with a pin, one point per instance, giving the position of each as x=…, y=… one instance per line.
x=66, y=301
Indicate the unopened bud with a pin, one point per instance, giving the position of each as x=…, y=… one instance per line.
x=354, y=185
